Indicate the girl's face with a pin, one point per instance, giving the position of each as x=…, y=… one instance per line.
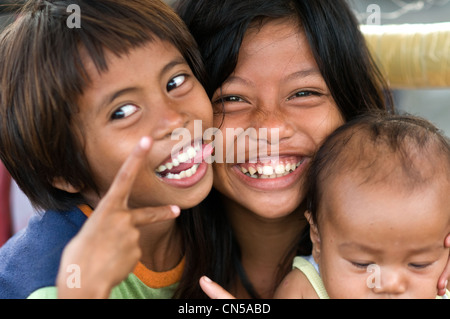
x=276, y=88
x=151, y=91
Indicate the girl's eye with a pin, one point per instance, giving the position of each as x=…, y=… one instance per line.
x=176, y=82
x=228, y=99
x=124, y=111
x=232, y=99
x=303, y=94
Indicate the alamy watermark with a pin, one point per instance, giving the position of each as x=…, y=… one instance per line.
x=74, y=279
x=248, y=145
x=374, y=279
x=74, y=19
x=374, y=14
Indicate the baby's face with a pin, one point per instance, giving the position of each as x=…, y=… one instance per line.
x=376, y=242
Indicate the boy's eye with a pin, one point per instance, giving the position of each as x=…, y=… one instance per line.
x=176, y=82
x=124, y=111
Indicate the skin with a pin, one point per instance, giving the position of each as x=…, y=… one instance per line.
x=126, y=139
x=253, y=97
x=276, y=85
x=149, y=109
x=402, y=233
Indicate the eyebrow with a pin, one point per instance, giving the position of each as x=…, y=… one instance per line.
x=352, y=245
x=167, y=68
x=238, y=80
x=413, y=251
x=294, y=76
x=303, y=74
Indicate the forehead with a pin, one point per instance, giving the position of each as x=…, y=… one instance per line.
x=270, y=32
x=275, y=37
x=380, y=209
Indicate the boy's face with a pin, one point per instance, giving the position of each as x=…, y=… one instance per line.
x=378, y=242
x=149, y=92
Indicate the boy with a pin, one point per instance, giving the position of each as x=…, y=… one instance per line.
x=86, y=116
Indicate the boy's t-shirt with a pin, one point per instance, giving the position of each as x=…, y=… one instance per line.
x=29, y=261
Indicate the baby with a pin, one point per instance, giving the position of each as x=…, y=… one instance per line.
x=379, y=212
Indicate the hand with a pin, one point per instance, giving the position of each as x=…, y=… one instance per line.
x=214, y=290
x=106, y=250
x=443, y=280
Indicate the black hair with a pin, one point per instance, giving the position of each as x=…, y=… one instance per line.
x=339, y=48
x=42, y=77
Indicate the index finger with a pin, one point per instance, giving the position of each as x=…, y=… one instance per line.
x=121, y=186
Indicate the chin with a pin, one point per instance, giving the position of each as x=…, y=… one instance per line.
x=195, y=195
x=272, y=207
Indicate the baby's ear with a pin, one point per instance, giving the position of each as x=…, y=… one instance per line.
x=62, y=184
x=315, y=236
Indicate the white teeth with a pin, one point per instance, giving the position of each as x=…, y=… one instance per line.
x=251, y=170
x=190, y=153
x=183, y=157
x=280, y=169
x=268, y=172
x=183, y=174
x=160, y=169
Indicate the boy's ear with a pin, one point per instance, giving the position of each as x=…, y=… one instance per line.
x=315, y=237
x=62, y=184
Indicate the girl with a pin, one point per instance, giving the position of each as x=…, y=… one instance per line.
x=302, y=68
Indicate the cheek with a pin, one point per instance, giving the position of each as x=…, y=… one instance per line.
x=220, y=177
x=324, y=123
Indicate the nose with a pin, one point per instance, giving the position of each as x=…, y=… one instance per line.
x=393, y=282
x=167, y=120
x=273, y=126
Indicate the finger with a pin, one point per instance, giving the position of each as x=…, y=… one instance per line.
x=150, y=215
x=214, y=290
x=121, y=187
x=443, y=279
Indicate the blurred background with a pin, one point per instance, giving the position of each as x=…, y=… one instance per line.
x=431, y=103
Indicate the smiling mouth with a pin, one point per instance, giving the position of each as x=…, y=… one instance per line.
x=183, y=165
x=271, y=169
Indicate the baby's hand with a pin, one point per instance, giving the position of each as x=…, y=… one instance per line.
x=443, y=280
x=106, y=250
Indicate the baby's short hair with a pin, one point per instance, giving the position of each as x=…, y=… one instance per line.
x=404, y=151
x=43, y=76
